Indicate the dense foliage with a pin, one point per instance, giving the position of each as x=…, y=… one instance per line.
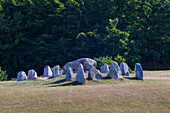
x=34, y=33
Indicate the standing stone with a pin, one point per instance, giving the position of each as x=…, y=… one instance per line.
x=32, y=74
x=104, y=68
x=61, y=72
x=56, y=71
x=139, y=71
x=114, y=72
x=80, y=75
x=47, y=71
x=21, y=76
x=94, y=73
x=124, y=69
x=69, y=74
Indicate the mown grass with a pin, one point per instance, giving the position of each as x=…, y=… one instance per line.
x=57, y=95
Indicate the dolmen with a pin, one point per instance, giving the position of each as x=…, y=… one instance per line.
x=139, y=71
x=56, y=71
x=47, y=71
x=21, y=76
x=86, y=62
x=80, y=78
x=104, y=68
x=69, y=74
x=124, y=69
x=114, y=72
x=94, y=74
x=32, y=74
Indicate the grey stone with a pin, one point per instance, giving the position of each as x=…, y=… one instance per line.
x=32, y=74
x=69, y=64
x=114, y=72
x=47, y=71
x=84, y=61
x=80, y=78
x=69, y=74
x=124, y=69
x=75, y=64
x=56, y=71
x=21, y=76
x=104, y=68
x=139, y=71
x=61, y=72
x=94, y=73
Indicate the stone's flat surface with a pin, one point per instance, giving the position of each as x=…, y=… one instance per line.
x=32, y=74
x=124, y=69
x=114, y=72
x=21, y=76
x=84, y=61
x=139, y=71
x=47, y=71
x=93, y=73
x=104, y=68
x=80, y=78
x=56, y=71
x=69, y=74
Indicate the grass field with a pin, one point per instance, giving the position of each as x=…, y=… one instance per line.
x=55, y=95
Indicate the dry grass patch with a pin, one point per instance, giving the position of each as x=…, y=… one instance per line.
x=102, y=96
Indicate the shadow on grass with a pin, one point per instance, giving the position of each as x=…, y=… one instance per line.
x=57, y=82
x=74, y=83
x=132, y=78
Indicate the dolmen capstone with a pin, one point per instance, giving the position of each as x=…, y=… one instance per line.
x=80, y=78
x=56, y=71
x=32, y=74
x=139, y=71
x=104, y=68
x=47, y=71
x=84, y=61
x=69, y=74
x=93, y=73
x=124, y=69
x=114, y=72
x=21, y=76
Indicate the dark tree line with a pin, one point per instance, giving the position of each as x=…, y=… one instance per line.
x=34, y=33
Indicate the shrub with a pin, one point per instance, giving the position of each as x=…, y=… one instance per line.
x=3, y=75
x=119, y=59
x=102, y=60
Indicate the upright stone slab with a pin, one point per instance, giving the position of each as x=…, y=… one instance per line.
x=94, y=73
x=124, y=69
x=32, y=74
x=21, y=76
x=104, y=68
x=69, y=74
x=139, y=71
x=114, y=72
x=80, y=75
x=47, y=71
x=61, y=72
x=98, y=75
x=56, y=71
